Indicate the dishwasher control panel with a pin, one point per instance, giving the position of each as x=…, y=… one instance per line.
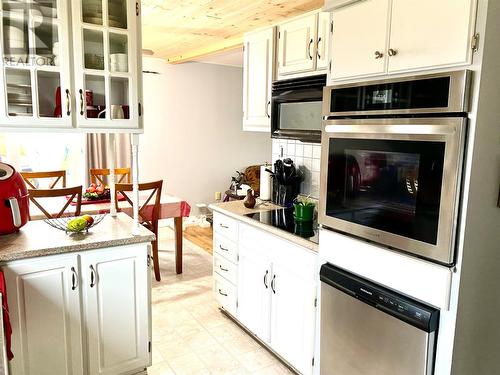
x=411, y=311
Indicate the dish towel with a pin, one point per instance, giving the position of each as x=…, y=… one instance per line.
x=6, y=320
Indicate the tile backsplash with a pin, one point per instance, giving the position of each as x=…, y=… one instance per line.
x=306, y=157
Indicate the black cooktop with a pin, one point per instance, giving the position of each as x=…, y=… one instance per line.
x=284, y=219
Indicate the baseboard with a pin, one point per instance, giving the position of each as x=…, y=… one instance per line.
x=259, y=341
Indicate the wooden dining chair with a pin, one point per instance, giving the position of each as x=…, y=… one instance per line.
x=69, y=195
x=30, y=177
x=98, y=176
x=149, y=212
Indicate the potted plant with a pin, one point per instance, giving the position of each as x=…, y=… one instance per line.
x=304, y=208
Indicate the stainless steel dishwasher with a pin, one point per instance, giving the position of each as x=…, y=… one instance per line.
x=367, y=329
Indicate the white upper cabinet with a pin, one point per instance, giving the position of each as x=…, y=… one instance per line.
x=359, y=39
x=303, y=45
x=87, y=77
x=258, y=75
x=297, y=45
x=375, y=37
x=430, y=33
x=105, y=44
x=35, y=75
x=323, y=41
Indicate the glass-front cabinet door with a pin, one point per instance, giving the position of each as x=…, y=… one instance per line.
x=35, y=80
x=106, y=35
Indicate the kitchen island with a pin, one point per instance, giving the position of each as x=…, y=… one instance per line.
x=79, y=303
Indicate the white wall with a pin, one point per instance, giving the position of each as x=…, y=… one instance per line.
x=477, y=339
x=193, y=137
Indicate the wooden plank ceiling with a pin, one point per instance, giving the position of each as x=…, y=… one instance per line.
x=180, y=30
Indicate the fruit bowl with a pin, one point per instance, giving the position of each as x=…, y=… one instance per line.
x=97, y=192
x=63, y=223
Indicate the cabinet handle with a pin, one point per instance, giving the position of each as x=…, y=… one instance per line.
x=265, y=279
x=273, y=281
x=378, y=55
x=392, y=52
x=74, y=279
x=222, y=294
x=317, y=48
x=223, y=248
x=309, y=49
x=223, y=269
x=267, y=109
x=81, y=102
x=92, y=276
x=223, y=226
x=68, y=103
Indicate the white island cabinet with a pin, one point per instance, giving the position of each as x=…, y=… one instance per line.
x=116, y=309
x=268, y=284
x=79, y=304
x=71, y=65
x=85, y=313
x=45, y=313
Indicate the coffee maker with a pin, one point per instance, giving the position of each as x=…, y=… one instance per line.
x=286, y=182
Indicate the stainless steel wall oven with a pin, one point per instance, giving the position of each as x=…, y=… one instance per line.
x=392, y=155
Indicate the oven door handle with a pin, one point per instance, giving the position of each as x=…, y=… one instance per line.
x=413, y=128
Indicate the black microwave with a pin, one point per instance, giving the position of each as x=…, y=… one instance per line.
x=297, y=108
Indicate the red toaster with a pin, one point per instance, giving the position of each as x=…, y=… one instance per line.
x=14, y=200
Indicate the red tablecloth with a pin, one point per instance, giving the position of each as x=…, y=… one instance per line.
x=167, y=210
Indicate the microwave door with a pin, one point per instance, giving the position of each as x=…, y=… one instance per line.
x=394, y=181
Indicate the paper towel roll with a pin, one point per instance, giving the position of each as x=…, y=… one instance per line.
x=265, y=183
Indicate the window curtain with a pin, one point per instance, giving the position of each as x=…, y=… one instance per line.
x=97, y=151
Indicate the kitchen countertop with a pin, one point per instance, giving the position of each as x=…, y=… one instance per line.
x=237, y=210
x=37, y=238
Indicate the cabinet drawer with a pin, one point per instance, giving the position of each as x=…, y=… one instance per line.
x=225, y=248
x=226, y=226
x=225, y=268
x=225, y=293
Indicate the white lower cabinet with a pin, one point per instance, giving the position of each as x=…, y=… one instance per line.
x=116, y=302
x=275, y=287
x=277, y=296
x=84, y=313
x=254, y=297
x=293, y=315
x=45, y=314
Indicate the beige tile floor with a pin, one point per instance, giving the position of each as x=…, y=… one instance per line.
x=190, y=335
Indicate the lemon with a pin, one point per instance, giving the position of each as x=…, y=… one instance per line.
x=77, y=225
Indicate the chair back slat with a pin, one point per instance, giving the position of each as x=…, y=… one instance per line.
x=97, y=175
x=155, y=191
x=70, y=194
x=29, y=177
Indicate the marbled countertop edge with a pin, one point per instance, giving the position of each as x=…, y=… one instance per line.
x=236, y=210
x=38, y=239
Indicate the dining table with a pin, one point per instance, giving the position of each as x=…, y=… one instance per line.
x=171, y=207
